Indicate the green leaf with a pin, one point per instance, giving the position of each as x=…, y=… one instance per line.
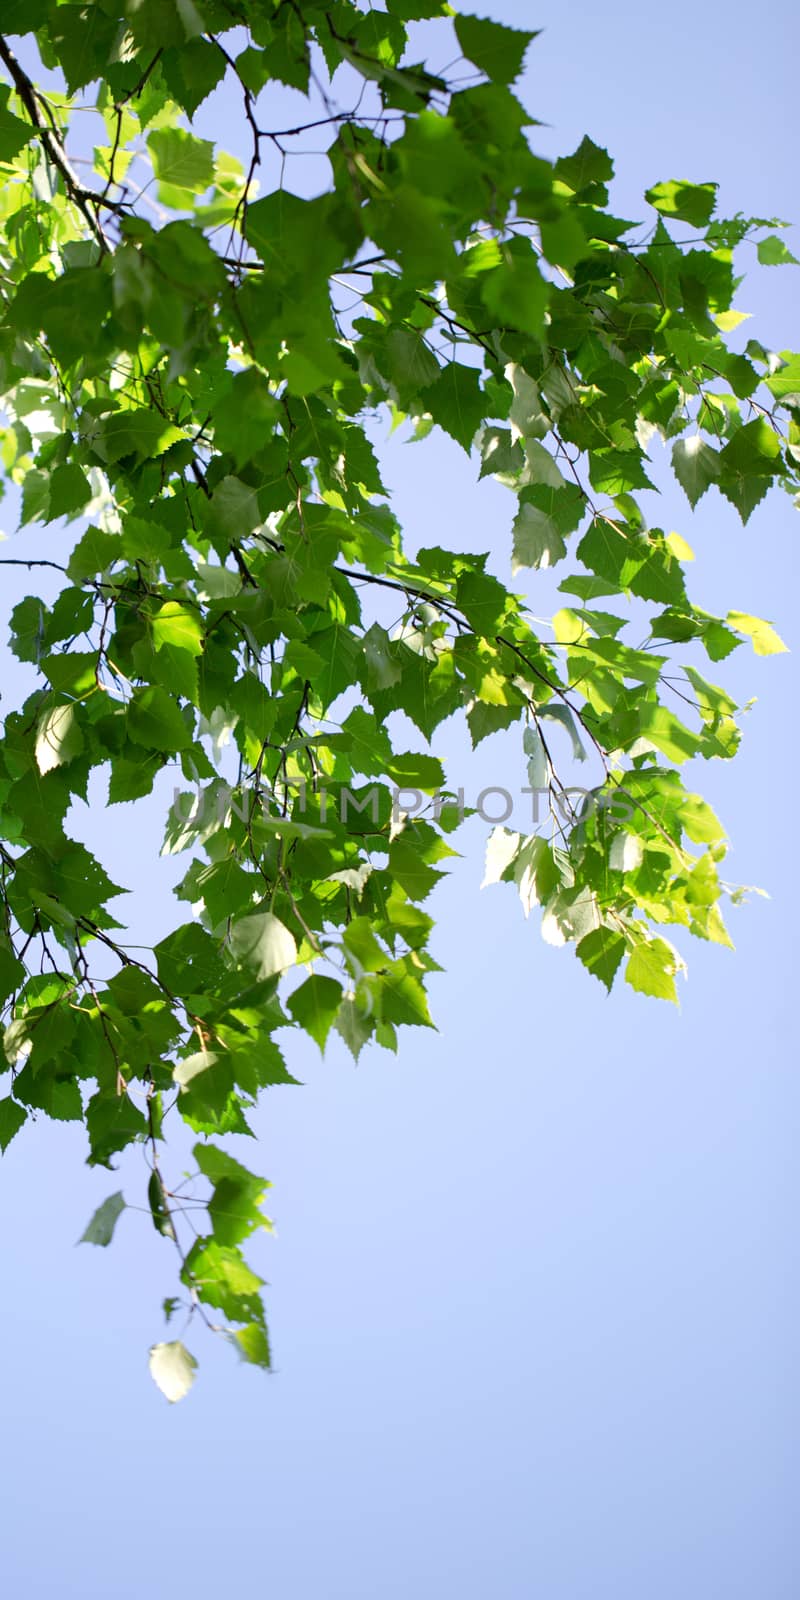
x=557, y=712
x=497, y=50
x=403, y=998
x=101, y=1228
x=287, y=55
x=382, y=667
x=456, y=402
x=417, y=10
x=667, y=733
x=527, y=419
x=232, y=513
x=162, y=1221
x=564, y=241
x=294, y=236
x=587, y=168
x=21, y=16
x=772, y=252
x=180, y=161
x=70, y=491
x=35, y=498
x=482, y=600
x=616, y=472
x=172, y=1369
x=698, y=820
x=72, y=673
x=14, y=133
x=315, y=1004
x=12, y=1117
x=71, y=309
x=217, y=1164
x=189, y=1067
x=601, y=952
x=515, y=293
x=786, y=381
x=246, y=417
x=173, y=21
x=264, y=943
x=626, y=853
x=354, y=1025
x=233, y=1209
x=131, y=780
x=253, y=1344
x=154, y=721
x=748, y=464
x=174, y=625
x=686, y=202
x=546, y=516
x=12, y=973
x=58, y=738
x=651, y=970
x=94, y=553
x=538, y=541
x=192, y=71
x=223, y=1279
x=234, y=1204
x=408, y=362
x=695, y=464
x=416, y=771
x=28, y=629
x=766, y=642
x=83, y=37
x=539, y=769
x=410, y=870
x=112, y=1122
x=754, y=449
x=136, y=432
x=502, y=850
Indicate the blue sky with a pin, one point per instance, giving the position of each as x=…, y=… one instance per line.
x=533, y=1287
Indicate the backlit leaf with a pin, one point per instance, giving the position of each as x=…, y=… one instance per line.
x=172, y=1369
x=58, y=738
x=264, y=943
x=498, y=51
x=686, y=202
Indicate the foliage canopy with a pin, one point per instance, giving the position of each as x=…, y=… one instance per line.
x=190, y=370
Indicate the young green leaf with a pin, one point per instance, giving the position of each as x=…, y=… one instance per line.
x=497, y=50
x=686, y=202
x=315, y=1005
x=101, y=1228
x=263, y=942
x=58, y=738
x=12, y=1117
x=601, y=952
x=651, y=970
x=695, y=464
x=766, y=642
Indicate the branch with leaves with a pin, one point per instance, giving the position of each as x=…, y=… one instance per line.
x=188, y=378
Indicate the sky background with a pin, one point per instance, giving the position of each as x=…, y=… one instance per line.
x=533, y=1294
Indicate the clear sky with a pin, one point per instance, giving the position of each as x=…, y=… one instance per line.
x=534, y=1283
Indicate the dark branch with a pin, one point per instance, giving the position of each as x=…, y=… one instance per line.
x=53, y=147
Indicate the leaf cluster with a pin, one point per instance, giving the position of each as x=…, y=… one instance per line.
x=190, y=370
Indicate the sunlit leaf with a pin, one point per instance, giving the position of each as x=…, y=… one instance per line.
x=172, y=1369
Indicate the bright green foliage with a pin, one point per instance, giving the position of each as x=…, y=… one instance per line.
x=189, y=366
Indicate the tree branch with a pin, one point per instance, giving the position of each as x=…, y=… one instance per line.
x=54, y=149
